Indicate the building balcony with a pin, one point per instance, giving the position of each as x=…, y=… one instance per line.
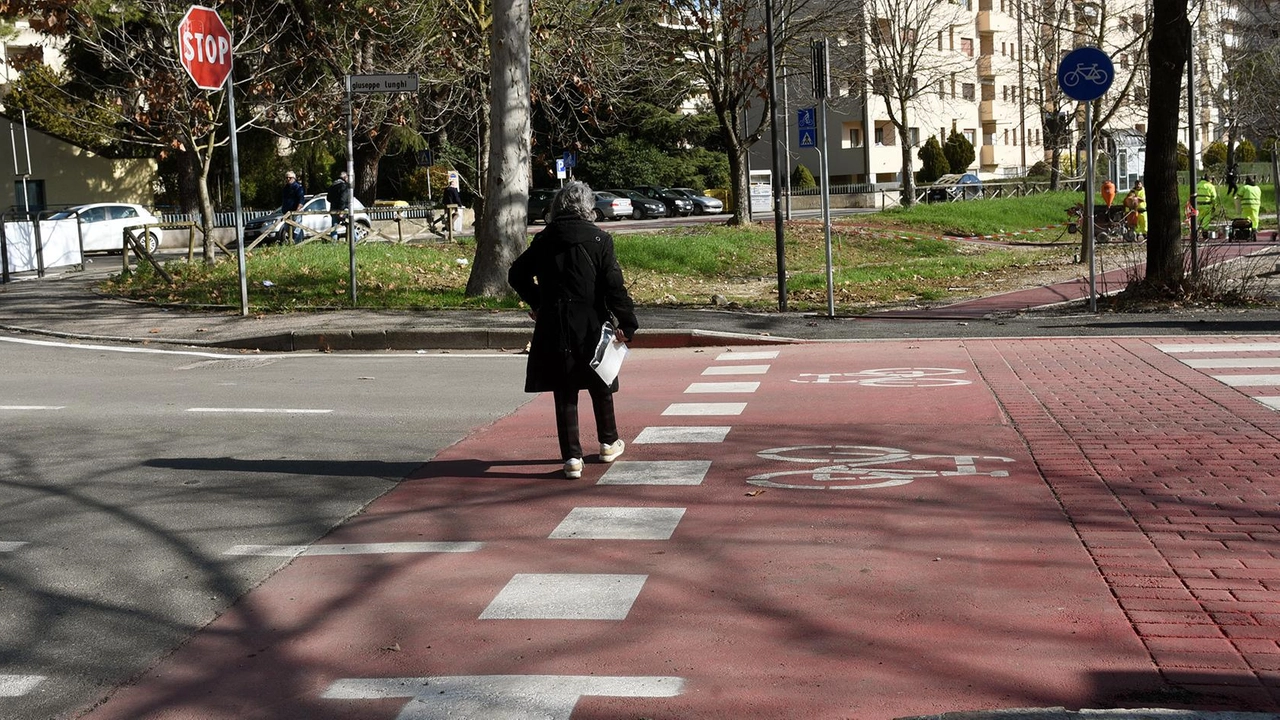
x=992, y=21
x=987, y=111
x=985, y=70
x=987, y=156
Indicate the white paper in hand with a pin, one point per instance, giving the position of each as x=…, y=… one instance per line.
x=611, y=361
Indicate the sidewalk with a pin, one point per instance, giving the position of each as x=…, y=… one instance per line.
x=65, y=305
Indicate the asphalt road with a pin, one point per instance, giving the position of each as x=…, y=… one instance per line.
x=126, y=475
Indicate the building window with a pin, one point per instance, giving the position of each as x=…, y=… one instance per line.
x=914, y=134
x=1123, y=22
x=855, y=137
x=939, y=40
x=966, y=46
x=972, y=136
x=880, y=135
x=942, y=88
x=966, y=91
x=1137, y=22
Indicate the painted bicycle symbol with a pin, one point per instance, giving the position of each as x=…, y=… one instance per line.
x=889, y=377
x=866, y=467
x=1089, y=73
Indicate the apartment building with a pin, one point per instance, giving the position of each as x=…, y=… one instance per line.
x=986, y=69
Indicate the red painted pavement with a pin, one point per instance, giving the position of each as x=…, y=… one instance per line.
x=1116, y=545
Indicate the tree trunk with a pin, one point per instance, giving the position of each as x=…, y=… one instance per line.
x=200, y=160
x=1169, y=48
x=501, y=236
x=741, y=190
x=904, y=139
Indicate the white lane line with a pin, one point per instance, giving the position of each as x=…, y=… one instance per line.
x=231, y=355
x=1204, y=363
x=1271, y=402
x=618, y=523
x=11, y=545
x=736, y=370
x=499, y=697
x=565, y=596
x=682, y=434
x=33, y=407
x=748, y=355
x=1218, y=347
x=722, y=387
x=18, y=685
x=1247, y=380
x=656, y=472
x=287, y=411
x=354, y=549
x=705, y=409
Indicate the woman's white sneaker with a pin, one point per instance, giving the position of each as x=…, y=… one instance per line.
x=609, y=453
x=573, y=468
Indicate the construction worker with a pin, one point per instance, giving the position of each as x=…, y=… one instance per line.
x=1141, y=193
x=1206, y=198
x=1250, y=201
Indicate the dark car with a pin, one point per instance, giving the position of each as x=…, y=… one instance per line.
x=702, y=204
x=676, y=203
x=641, y=206
x=540, y=204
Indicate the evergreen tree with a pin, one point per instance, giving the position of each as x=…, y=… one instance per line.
x=935, y=162
x=959, y=152
x=802, y=179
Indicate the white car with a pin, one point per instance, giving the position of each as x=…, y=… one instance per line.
x=102, y=225
x=314, y=216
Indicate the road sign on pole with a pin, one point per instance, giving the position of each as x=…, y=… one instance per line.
x=204, y=47
x=807, y=118
x=361, y=84
x=808, y=137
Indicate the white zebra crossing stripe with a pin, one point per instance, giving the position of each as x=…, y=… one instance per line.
x=18, y=685
x=679, y=434
x=1210, y=363
x=1218, y=347
x=747, y=355
x=565, y=596
x=656, y=472
x=1247, y=380
x=705, y=409
x=618, y=523
x=722, y=387
x=499, y=697
x=736, y=370
x=10, y=545
x=354, y=549
x=1271, y=402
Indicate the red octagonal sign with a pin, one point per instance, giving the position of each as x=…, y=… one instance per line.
x=204, y=47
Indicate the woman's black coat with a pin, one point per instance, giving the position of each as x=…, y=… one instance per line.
x=570, y=278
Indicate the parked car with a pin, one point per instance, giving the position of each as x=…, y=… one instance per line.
x=315, y=218
x=612, y=207
x=102, y=225
x=641, y=206
x=676, y=203
x=540, y=204
x=702, y=204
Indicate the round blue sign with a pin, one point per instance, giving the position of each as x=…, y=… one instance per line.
x=1085, y=74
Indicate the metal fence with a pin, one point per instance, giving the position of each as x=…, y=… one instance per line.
x=226, y=219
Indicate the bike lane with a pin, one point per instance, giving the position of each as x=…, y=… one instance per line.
x=850, y=530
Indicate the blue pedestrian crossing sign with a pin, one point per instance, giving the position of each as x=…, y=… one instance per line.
x=808, y=137
x=807, y=118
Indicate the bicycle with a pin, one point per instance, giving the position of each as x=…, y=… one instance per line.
x=1090, y=73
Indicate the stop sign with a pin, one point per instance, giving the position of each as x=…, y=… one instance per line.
x=204, y=47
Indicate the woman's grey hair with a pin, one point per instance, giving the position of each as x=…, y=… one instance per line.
x=574, y=200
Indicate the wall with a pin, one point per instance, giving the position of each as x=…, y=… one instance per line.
x=71, y=175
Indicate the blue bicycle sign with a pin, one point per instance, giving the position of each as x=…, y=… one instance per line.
x=1085, y=74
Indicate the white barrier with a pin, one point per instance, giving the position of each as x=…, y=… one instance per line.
x=59, y=245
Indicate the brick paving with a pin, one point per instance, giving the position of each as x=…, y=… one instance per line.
x=1171, y=480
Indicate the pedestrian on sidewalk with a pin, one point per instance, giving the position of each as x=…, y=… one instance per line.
x=571, y=281
x=339, y=197
x=1250, y=201
x=1141, y=193
x=292, y=195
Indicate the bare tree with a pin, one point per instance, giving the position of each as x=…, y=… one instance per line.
x=1168, y=57
x=906, y=62
x=722, y=45
x=125, y=81
x=501, y=231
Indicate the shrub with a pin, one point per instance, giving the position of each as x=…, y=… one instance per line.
x=1246, y=152
x=959, y=152
x=1215, y=154
x=934, y=161
x=802, y=179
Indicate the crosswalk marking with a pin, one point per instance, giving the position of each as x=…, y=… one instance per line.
x=682, y=434
x=354, y=549
x=1218, y=347
x=1220, y=362
x=1271, y=402
x=705, y=409
x=565, y=596
x=289, y=411
x=618, y=523
x=747, y=355
x=656, y=472
x=736, y=370
x=722, y=387
x=33, y=407
x=1247, y=380
x=10, y=545
x=18, y=685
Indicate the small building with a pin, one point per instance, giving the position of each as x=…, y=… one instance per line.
x=1127, y=151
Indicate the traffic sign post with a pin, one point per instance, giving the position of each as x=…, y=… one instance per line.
x=204, y=49
x=1085, y=75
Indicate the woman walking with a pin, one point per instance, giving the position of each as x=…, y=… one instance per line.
x=570, y=279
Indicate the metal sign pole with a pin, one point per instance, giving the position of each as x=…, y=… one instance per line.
x=235, y=183
x=351, y=183
x=1088, y=206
